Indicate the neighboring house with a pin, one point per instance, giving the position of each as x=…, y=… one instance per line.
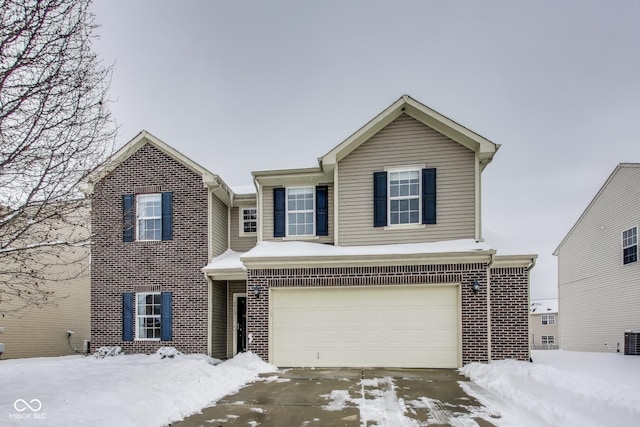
x=598, y=267
x=373, y=258
x=543, y=324
x=34, y=331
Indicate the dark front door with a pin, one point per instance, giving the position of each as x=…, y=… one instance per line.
x=241, y=321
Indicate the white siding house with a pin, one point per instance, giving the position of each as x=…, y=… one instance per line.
x=598, y=267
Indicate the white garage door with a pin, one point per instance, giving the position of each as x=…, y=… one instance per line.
x=399, y=326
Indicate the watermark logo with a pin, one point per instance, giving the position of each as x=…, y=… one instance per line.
x=30, y=410
x=21, y=405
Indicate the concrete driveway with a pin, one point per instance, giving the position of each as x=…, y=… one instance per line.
x=348, y=397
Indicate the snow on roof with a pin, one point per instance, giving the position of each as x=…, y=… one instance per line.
x=243, y=189
x=543, y=306
x=305, y=249
x=229, y=260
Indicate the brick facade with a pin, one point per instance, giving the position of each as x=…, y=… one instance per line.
x=509, y=291
x=509, y=313
x=173, y=265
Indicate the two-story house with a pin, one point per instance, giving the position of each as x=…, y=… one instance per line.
x=374, y=257
x=543, y=324
x=598, y=267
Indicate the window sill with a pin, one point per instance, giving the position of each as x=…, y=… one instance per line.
x=148, y=339
x=247, y=234
x=301, y=238
x=404, y=227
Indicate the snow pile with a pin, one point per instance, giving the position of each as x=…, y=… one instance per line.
x=108, y=351
x=128, y=390
x=560, y=388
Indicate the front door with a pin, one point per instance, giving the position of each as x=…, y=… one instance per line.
x=241, y=328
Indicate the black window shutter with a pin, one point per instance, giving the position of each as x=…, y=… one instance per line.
x=127, y=316
x=429, y=196
x=165, y=317
x=322, y=210
x=127, y=217
x=167, y=216
x=278, y=212
x=379, y=199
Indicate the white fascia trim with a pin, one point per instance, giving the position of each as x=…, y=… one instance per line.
x=370, y=260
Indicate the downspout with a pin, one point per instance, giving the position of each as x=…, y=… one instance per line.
x=209, y=312
x=259, y=206
x=529, y=267
x=491, y=261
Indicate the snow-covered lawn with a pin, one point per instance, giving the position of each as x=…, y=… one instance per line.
x=131, y=390
x=561, y=388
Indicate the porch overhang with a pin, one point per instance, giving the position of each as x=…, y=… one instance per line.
x=305, y=254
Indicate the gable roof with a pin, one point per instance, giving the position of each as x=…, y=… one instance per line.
x=593, y=201
x=209, y=179
x=484, y=148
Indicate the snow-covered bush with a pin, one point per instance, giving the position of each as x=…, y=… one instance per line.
x=169, y=352
x=108, y=351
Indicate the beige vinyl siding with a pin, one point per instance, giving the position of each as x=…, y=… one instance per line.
x=42, y=332
x=267, y=214
x=537, y=329
x=240, y=243
x=219, y=226
x=406, y=142
x=219, y=319
x=233, y=288
x=598, y=295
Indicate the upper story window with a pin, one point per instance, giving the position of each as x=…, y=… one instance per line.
x=548, y=319
x=150, y=218
x=404, y=196
x=248, y=221
x=300, y=211
x=630, y=245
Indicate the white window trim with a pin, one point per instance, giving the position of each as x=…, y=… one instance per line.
x=419, y=196
x=138, y=217
x=286, y=213
x=636, y=244
x=548, y=317
x=137, y=337
x=544, y=338
x=241, y=221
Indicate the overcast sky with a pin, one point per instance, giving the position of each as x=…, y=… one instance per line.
x=240, y=86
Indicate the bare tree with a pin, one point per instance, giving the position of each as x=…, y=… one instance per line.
x=55, y=127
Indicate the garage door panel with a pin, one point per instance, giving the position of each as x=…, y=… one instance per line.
x=401, y=326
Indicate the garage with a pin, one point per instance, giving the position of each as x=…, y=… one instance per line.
x=413, y=326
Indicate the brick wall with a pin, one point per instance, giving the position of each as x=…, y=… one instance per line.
x=510, y=313
x=474, y=307
x=173, y=265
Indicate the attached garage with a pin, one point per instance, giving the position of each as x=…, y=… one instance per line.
x=416, y=326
